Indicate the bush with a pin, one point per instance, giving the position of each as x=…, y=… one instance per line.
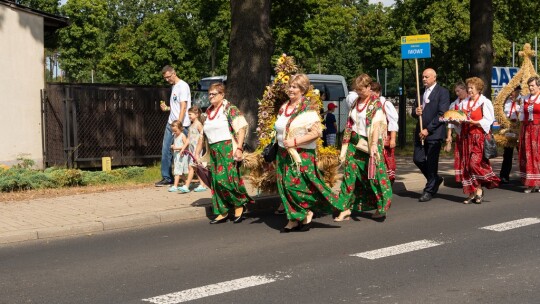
x=17, y=179
x=21, y=177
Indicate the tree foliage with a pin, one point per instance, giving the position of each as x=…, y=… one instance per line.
x=128, y=41
x=48, y=6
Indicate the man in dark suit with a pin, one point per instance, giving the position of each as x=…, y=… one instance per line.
x=435, y=101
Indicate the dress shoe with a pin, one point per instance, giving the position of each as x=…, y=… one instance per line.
x=469, y=199
x=216, y=221
x=305, y=227
x=343, y=216
x=531, y=189
x=239, y=219
x=426, y=196
x=287, y=230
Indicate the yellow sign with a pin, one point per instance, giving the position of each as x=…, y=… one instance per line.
x=415, y=39
x=105, y=164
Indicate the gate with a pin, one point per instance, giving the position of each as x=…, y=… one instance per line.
x=84, y=122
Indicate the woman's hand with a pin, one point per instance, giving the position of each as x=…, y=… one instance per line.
x=392, y=143
x=238, y=156
x=289, y=143
x=448, y=146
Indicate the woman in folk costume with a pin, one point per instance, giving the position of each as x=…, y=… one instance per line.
x=225, y=129
x=460, y=88
x=476, y=169
x=529, y=153
x=299, y=181
x=362, y=141
x=392, y=118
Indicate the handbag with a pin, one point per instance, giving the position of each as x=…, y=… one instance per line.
x=362, y=145
x=269, y=152
x=490, y=147
x=201, y=170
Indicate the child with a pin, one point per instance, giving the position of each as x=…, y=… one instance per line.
x=180, y=161
x=331, y=126
x=195, y=134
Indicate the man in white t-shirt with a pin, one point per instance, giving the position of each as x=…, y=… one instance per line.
x=179, y=102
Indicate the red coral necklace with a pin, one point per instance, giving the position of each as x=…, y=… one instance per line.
x=215, y=112
x=287, y=109
x=364, y=107
x=474, y=104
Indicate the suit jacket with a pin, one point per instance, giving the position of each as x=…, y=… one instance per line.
x=439, y=102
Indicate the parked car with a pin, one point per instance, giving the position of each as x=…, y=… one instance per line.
x=199, y=96
x=205, y=83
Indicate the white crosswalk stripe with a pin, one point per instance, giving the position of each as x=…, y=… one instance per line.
x=213, y=289
x=513, y=224
x=398, y=249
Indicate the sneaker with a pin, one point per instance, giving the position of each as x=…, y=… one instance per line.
x=200, y=188
x=163, y=183
x=174, y=189
x=183, y=189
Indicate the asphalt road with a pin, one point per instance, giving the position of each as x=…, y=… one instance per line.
x=436, y=252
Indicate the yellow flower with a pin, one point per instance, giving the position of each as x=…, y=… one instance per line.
x=281, y=60
x=280, y=75
x=285, y=79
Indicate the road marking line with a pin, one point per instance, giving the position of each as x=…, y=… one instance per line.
x=398, y=249
x=211, y=290
x=513, y=224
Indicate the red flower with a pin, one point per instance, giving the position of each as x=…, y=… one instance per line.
x=220, y=169
x=349, y=189
x=304, y=155
x=304, y=205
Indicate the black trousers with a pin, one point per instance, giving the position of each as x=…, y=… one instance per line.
x=506, y=166
x=426, y=158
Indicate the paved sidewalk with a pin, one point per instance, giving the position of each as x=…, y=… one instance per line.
x=85, y=214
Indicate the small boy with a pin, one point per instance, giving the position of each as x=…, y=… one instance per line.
x=331, y=125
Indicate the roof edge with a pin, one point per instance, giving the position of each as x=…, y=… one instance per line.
x=51, y=21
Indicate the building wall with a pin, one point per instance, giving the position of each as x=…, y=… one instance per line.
x=22, y=77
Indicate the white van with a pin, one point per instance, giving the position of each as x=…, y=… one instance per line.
x=335, y=88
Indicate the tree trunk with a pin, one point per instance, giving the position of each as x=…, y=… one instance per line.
x=482, y=42
x=250, y=52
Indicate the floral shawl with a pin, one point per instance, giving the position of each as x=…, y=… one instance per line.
x=375, y=122
x=300, y=122
x=236, y=120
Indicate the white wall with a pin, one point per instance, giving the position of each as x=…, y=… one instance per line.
x=22, y=77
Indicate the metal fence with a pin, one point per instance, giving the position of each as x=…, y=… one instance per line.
x=84, y=122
